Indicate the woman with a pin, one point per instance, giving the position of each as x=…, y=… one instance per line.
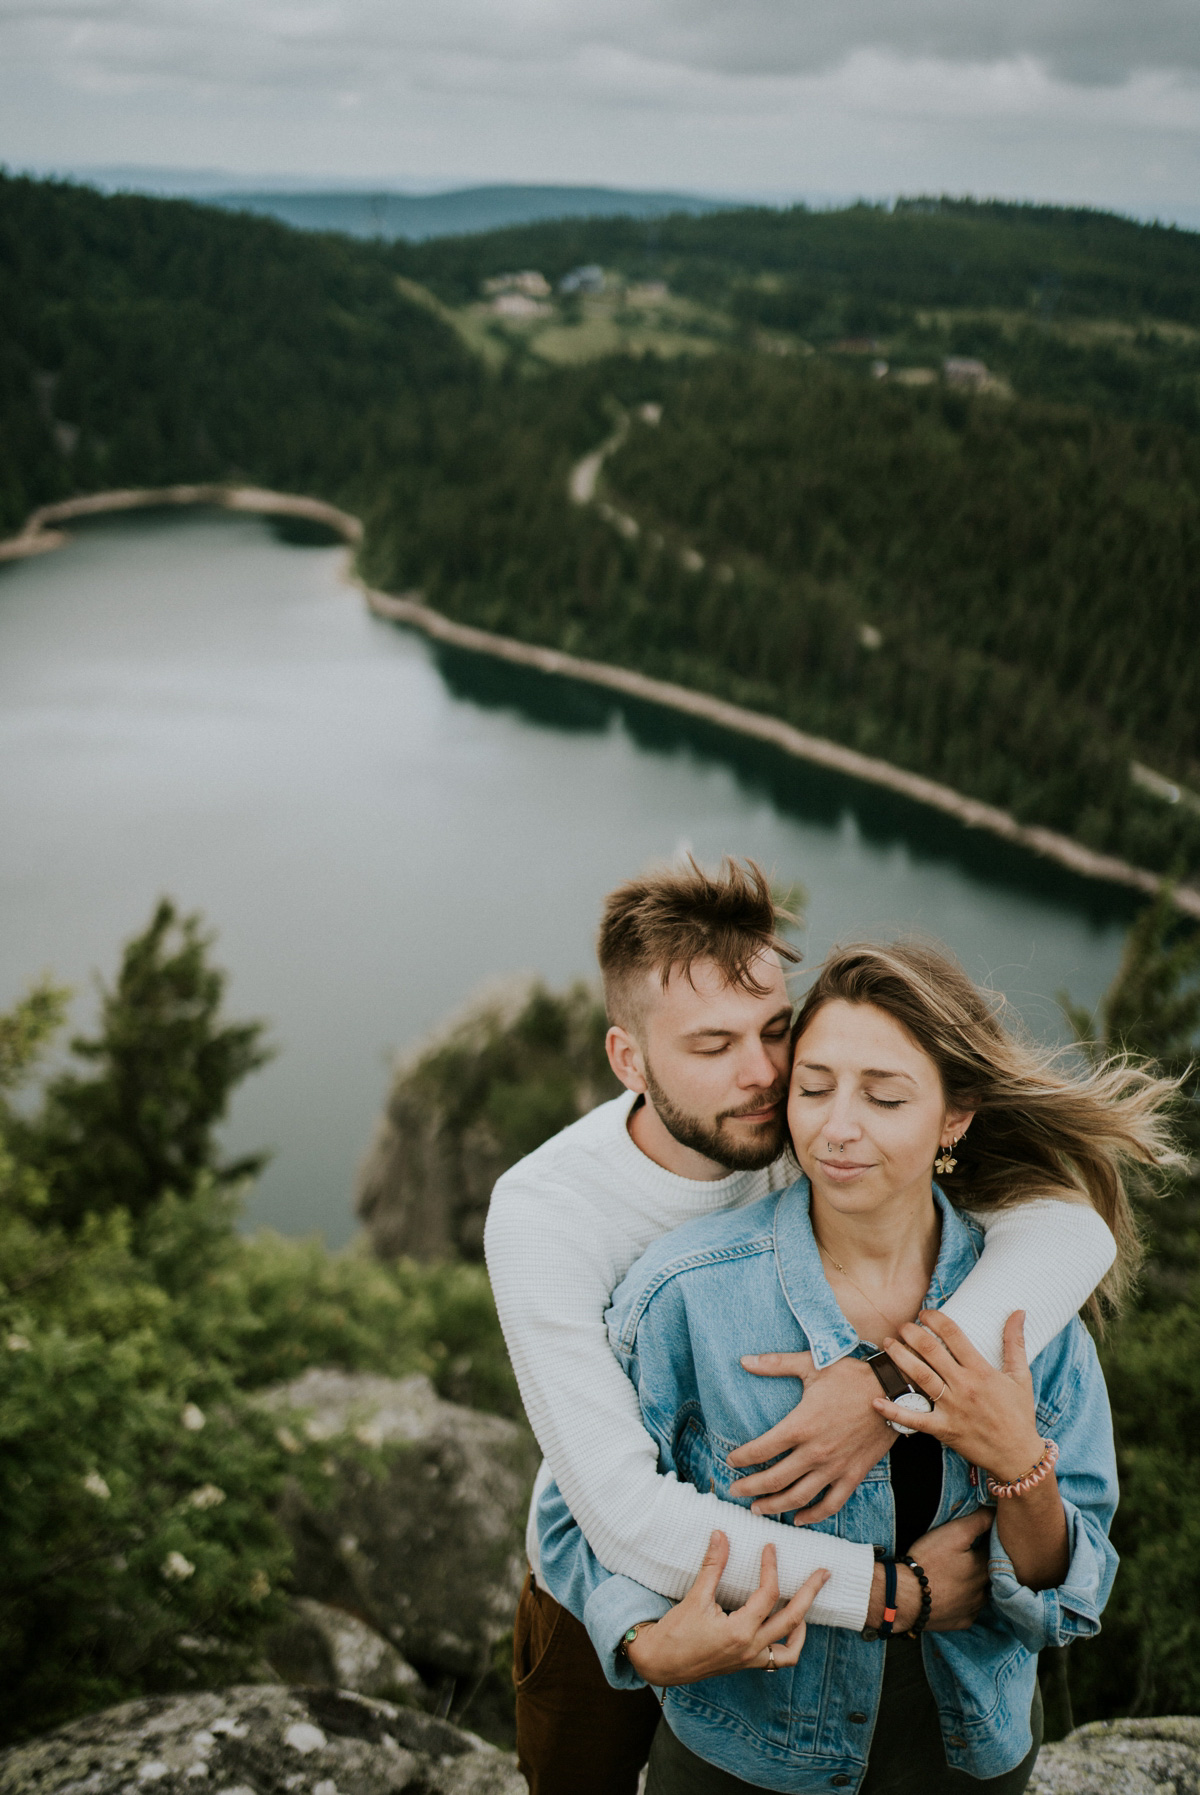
x=899, y=1062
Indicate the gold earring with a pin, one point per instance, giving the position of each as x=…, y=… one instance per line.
x=945, y=1162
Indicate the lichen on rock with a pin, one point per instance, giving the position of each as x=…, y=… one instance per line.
x=259, y=1740
x=1123, y=1757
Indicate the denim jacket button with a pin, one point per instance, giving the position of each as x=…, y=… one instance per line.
x=841, y=1781
x=857, y=1719
x=955, y=1740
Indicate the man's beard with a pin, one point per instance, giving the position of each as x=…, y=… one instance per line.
x=713, y=1136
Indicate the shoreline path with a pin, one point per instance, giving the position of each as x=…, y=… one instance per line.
x=42, y=532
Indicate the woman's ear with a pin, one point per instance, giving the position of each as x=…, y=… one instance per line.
x=956, y=1124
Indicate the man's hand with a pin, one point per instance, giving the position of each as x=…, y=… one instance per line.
x=831, y=1439
x=697, y=1639
x=957, y=1568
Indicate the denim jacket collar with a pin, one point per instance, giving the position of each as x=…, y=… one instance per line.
x=806, y=1288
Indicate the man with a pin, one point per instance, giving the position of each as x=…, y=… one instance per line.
x=700, y=1037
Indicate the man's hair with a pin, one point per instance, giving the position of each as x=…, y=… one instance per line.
x=664, y=921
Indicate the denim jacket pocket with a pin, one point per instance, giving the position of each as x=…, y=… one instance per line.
x=700, y=1458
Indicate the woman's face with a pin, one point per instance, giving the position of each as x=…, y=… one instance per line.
x=866, y=1110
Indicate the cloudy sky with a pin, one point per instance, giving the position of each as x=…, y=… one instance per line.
x=1085, y=100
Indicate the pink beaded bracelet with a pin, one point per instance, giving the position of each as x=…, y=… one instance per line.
x=1035, y=1475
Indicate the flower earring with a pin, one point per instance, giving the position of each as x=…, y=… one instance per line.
x=945, y=1161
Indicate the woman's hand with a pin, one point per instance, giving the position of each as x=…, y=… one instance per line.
x=697, y=1639
x=987, y=1416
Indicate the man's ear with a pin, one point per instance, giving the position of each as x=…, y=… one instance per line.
x=625, y=1058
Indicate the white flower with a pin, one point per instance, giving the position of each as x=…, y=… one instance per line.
x=176, y=1568
x=95, y=1485
x=18, y=1343
x=369, y=1434
x=207, y=1496
x=288, y=1440
x=192, y=1417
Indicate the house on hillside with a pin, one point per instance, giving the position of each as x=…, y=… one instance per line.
x=528, y=282
x=587, y=279
x=964, y=370
x=519, y=305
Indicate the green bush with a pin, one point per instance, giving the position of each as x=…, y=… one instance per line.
x=139, y=1549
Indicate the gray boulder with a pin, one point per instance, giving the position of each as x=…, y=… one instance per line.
x=332, y=1649
x=1123, y=1757
x=258, y=1741
x=422, y=1533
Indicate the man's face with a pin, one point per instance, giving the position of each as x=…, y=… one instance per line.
x=715, y=1060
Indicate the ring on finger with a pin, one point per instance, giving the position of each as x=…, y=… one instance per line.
x=771, y=1664
x=942, y=1391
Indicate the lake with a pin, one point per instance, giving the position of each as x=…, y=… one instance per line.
x=375, y=828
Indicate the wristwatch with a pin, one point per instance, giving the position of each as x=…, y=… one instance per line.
x=898, y=1390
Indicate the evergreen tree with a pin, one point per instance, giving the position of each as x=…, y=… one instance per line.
x=166, y=1065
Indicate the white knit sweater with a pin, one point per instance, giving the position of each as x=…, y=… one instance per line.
x=564, y=1227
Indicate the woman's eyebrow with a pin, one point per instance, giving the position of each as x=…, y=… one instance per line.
x=868, y=1072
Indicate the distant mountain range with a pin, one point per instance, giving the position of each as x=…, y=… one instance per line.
x=362, y=211
x=418, y=217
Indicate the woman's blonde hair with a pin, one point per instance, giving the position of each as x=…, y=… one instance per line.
x=1046, y=1125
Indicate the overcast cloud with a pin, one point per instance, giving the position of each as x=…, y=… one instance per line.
x=1078, y=99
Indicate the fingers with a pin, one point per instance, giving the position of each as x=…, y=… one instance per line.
x=757, y=1607
x=806, y=1489
x=781, y=1438
x=779, y=1364
x=929, y=1422
x=1016, y=1364
x=978, y=1523
x=704, y=1589
x=926, y=1359
x=785, y=1630
x=779, y=1476
x=834, y=1499
x=952, y=1338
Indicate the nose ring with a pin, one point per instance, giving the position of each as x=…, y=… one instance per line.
x=841, y=1148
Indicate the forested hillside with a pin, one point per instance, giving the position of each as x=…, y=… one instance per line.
x=996, y=587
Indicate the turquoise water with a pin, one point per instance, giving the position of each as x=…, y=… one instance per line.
x=375, y=829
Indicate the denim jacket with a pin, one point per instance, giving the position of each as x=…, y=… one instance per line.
x=750, y=1280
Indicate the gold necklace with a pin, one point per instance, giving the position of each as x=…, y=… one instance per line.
x=890, y=1325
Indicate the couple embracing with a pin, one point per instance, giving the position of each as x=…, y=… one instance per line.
x=888, y=1206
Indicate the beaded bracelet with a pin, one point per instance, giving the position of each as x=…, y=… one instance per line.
x=922, y=1620
x=1035, y=1475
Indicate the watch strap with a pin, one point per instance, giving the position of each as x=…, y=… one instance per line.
x=892, y=1380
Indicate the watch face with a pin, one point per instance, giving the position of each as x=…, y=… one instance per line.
x=915, y=1401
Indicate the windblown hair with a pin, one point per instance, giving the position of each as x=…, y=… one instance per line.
x=1045, y=1125
x=664, y=921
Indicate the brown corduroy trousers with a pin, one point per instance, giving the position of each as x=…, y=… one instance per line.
x=576, y=1734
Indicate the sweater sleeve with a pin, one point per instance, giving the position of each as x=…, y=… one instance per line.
x=1045, y=1257
x=552, y=1279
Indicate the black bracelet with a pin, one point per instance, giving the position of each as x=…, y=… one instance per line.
x=922, y=1620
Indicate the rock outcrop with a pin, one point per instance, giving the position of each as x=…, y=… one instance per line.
x=259, y=1740
x=519, y=1065
x=330, y=1649
x=1123, y=1757
x=422, y=1531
